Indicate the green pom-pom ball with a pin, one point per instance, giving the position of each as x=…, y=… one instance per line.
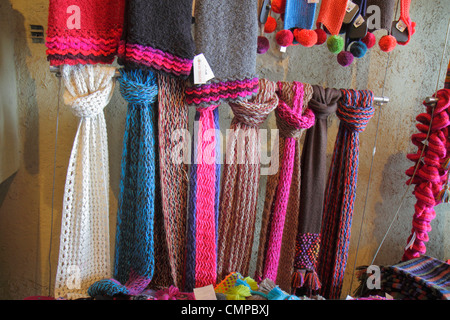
x=335, y=44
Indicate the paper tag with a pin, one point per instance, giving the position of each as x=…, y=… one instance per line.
x=388, y=296
x=202, y=70
x=350, y=6
x=411, y=242
x=283, y=49
x=205, y=293
x=358, y=21
x=313, y=1
x=401, y=26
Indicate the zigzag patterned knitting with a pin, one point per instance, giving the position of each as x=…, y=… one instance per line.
x=354, y=111
x=134, y=251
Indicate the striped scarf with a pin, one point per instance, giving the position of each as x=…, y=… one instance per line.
x=134, y=248
x=239, y=189
x=203, y=202
x=354, y=111
x=292, y=119
x=431, y=172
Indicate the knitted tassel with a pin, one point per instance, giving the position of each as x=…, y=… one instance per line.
x=431, y=173
x=85, y=225
x=201, y=264
x=237, y=211
x=292, y=119
x=134, y=251
x=84, y=31
x=354, y=111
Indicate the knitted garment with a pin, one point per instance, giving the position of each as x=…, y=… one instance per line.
x=331, y=15
x=172, y=124
x=406, y=19
x=84, y=240
x=134, y=247
x=241, y=173
x=157, y=36
x=422, y=278
x=354, y=112
x=387, y=10
x=226, y=33
x=447, y=78
x=299, y=14
x=292, y=119
x=203, y=202
x=431, y=173
x=83, y=31
x=362, y=8
x=313, y=180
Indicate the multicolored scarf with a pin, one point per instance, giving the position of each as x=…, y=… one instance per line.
x=354, y=111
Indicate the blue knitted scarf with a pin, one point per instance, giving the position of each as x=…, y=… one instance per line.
x=134, y=248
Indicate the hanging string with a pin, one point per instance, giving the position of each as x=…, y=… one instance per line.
x=53, y=189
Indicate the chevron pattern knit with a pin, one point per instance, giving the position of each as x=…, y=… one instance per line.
x=292, y=119
x=84, y=31
x=239, y=189
x=84, y=242
x=354, y=111
x=431, y=172
x=203, y=203
x=134, y=251
x=173, y=117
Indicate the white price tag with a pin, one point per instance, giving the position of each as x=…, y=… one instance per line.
x=202, y=70
x=350, y=5
x=283, y=49
x=401, y=26
x=358, y=21
x=205, y=293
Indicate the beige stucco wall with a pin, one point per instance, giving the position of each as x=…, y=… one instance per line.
x=30, y=220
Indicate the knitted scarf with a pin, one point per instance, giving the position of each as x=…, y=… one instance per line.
x=431, y=170
x=313, y=180
x=203, y=202
x=292, y=120
x=157, y=36
x=226, y=33
x=84, y=239
x=354, y=111
x=241, y=173
x=134, y=250
x=331, y=15
x=299, y=14
x=83, y=31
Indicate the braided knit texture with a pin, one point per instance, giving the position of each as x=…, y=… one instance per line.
x=292, y=119
x=84, y=239
x=354, y=112
x=203, y=203
x=94, y=40
x=134, y=247
x=431, y=173
x=239, y=188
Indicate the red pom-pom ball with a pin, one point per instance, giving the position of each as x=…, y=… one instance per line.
x=387, y=43
x=263, y=45
x=284, y=38
x=321, y=36
x=345, y=58
x=305, y=37
x=270, y=25
x=278, y=6
x=369, y=40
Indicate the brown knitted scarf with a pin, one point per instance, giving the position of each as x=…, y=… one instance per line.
x=241, y=173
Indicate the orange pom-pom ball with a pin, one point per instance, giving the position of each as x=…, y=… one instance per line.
x=387, y=43
x=284, y=38
x=278, y=6
x=321, y=36
x=305, y=37
x=270, y=25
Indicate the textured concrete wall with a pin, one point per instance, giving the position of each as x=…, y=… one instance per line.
x=30, y=212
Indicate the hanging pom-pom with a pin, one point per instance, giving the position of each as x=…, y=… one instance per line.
x=321, y=36
x=279, y=6
x=297, y=279
x=305, y=37
x=263, y=45
x=345, y=58
x=270, y=25
x=284, y=38
x=335, y=44
x=358, y=49
x=370, y=40
x=387, y=43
